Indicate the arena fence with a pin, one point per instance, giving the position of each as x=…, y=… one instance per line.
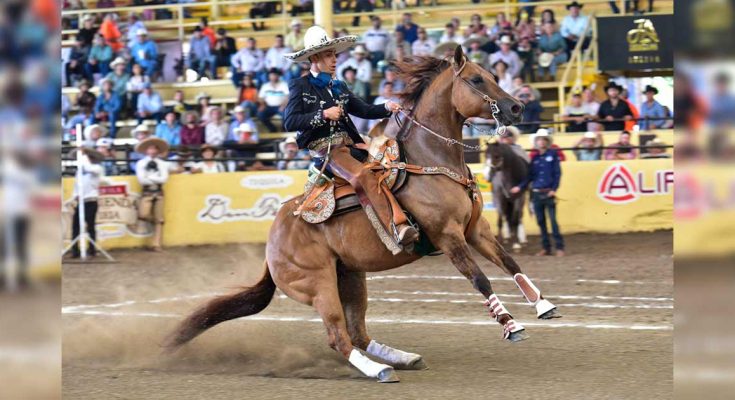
x=595, y=196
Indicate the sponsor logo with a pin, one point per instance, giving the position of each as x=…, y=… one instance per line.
x=266, y=181
x=217, y=209
x=619, y=186
x=643, y=37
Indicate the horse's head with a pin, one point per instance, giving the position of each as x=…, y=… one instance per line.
x=494, y=154
x=476, y=94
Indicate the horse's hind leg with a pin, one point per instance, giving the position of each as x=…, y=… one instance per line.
x=327, y=303
x=353, y=294
x=483, y=241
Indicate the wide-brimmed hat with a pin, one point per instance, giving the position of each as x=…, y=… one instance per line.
x=444, y=47
x=655, y=142
x=160, y=144
x=359, y=49
x=206, y=147
x=238, y=109
x=542, y=133
x=296, y=21
x=513, y=131
x=244, y=127
x=141, y=32
x=141, y=128
x=316, y=40
x=590, y=135
x=117, y=61
x=545, y=59
x=89, y=129
x=574, y=4
x=83, y=82
x=104, y=142
x=482, y=40
x=613, y=85
x=506, y=39
x=93, y=155
x=202, y=95
x=348, y=68
x=650, y=88
x=282, y=145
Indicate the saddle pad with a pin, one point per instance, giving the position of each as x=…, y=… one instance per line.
x=322, y=207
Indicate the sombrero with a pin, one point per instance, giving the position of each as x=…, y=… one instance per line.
x=316, y=40
x=444, y=47
x=93, y=155
x=545, y=59
x=482, y=40
x=161, y=144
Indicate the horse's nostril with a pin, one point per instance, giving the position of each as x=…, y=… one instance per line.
x=515, y=109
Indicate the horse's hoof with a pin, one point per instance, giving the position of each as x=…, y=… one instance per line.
x=551, y=314
x=516, y=248
x=518, y=336
x=388, y=375
x=417, y=365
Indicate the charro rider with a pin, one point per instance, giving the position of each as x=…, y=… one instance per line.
x=317, y=108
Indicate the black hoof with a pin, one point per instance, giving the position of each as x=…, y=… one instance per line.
x=551, y=314
x=388, y=375
x=518, y=336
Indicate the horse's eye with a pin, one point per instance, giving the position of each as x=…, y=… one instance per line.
x=476, y=79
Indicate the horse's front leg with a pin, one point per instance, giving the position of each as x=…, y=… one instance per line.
x=484, y=242
x=454, y=245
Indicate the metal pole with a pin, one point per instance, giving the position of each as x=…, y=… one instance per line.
x=323, y=15
x=80, y=195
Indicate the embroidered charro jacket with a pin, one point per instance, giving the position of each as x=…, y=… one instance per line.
x=307, y=101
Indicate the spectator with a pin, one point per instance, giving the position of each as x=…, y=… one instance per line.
x=294, y=159
x=140, y=133
x=527, y=55
x=104, y=147
x=208, y=165
x=451, y=35
x=93, y=172
x=135, y=84
x=224, y=48
x=525, y=26
x=631, y=123
x=111, y=33
x=192, y=133
x=208, y=32
x=274, y=57
x=261, y=10
x=304, y=6
x=423, y=46
x=360, y=63
x=575, y=114
x=179, y=106
x=652, y=109
x=573, y=26
x=152, y=173
x=476, y=27
x=532, y=111
x=591, y=105
x=613, y=110
x=511, y=139
x=273, y=96
x=118, y=77
x=100, y=56
x=169, y=129
x=295, y=38
x=722, y=102
x=181, y=163
x=396, y=46
x=502, y=76
x=203, y=106
x=87, y=32
x=544, y=177
x=408, y=28
x=134, y=25
x=502, y=25
x=244, y=134
x=200, y=55
x=474, y=53
x=92, y=134
x=655, y=148
x=386, y=95
x=508, y=56
x=349, y=75
x=105, y=4
x=547, y=16
x=107, y=107
x=362, y=6
x=622, y=150
x=149, y=104
x=248, y=96
x=85, y=99
x=250, y=60
x=74, y=69
x=216, y=130
x=145, y=52
x=241, y=116
x=552, y=51
x=376, y=40
x=587, y=148
x=390, y=76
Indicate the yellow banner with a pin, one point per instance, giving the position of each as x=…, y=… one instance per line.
x=597, y=196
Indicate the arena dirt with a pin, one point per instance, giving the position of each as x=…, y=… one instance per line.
x=117, y=355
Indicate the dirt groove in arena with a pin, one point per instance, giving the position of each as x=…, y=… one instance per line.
x=607, y=281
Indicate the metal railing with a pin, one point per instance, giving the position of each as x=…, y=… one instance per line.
x=577, y=62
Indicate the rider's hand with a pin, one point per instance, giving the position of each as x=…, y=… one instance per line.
x=515, y=190
x=333, y=113
x=392, y=107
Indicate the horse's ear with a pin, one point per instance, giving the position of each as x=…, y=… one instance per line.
x=459, y=58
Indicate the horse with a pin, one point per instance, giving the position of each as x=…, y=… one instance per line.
x=324, y=265
x=507, y=169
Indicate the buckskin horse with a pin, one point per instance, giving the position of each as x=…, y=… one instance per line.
x=325, y=264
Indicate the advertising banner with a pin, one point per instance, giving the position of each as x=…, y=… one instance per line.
x=635, y=42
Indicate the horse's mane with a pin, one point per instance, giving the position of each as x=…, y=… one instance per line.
x=417, y=73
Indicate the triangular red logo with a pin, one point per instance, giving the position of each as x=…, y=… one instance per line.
x=617, y=185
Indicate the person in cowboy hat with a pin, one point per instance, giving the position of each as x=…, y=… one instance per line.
x=362, y=66
x=293, y=157
x=474, y=51
x=552, y=49
x=544, y=176
x=614, y=111
x=139, y=133
x=208, y=165
x=145, y=52
x=652, y=109
x=85, y=99
x=152, y=173
x=508, y=56
x=92, y=173
x=587, y=148
x=317, y=108
x=573, y=26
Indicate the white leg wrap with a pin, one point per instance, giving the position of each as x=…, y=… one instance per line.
x=366, y=365
x=533, y=295
x=495, y=307
x=505, y=230
x=392, y=356
x=522, y=234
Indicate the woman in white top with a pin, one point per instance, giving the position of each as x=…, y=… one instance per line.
x=504, y=78
x=91, y=174
x=135, y=84
x=215, y=132
x=208, y=165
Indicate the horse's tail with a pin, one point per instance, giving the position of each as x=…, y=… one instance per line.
x=247, y=301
